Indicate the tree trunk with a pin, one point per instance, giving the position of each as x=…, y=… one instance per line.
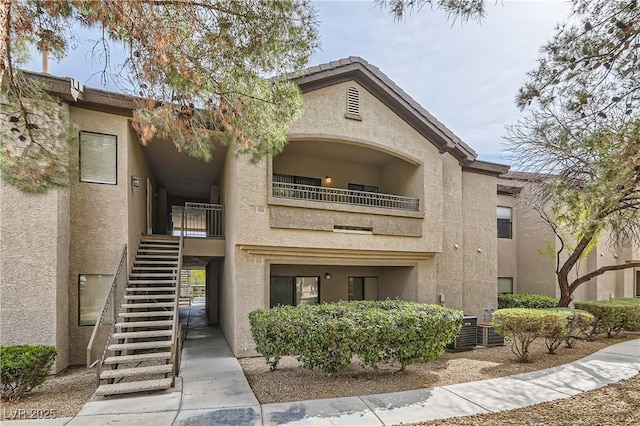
x=565, y=291
x=5, y=6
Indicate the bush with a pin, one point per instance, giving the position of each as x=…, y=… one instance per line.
x=613, y=315
x=24, y=367
x=577, y=324
x=521, y=326
x=531, y=301
x=327, y=336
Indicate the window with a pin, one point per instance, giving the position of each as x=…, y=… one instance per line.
x=98, y=158
x=504, y=222
x=365, y=188
x=363, y=288
x=286, y=290
x=505, y=285
x=361, y=200
x=638, y=283
x=92, y=292
x=307, y=192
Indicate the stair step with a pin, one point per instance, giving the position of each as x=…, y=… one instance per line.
x=146, y=314
x=162, y=255
x=131, y=387
x=150, y=296
x=150, y=269
x=139, y=345
x=154, y=289
x=159, y=245
x=158, y=250
x=151, y=281
x=128, y=372
x=121, y=359
x=155, y=262
x=148, y=305
x=149, y=275
x=142, y=334
x=154, y=268
x=144, y=324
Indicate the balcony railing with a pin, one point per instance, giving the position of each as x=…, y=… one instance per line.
x=201, y=220
x=344, y=196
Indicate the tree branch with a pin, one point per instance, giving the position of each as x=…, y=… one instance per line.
x=583, y=279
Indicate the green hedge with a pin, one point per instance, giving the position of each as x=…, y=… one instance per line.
x=577, y=324
x=327, y=336
x=531, y=301
x=521, y=326
x=24, y=367
x=613, y=315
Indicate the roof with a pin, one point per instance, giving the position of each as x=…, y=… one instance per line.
x=323, y=75
x=513, y=182
x=382, y=87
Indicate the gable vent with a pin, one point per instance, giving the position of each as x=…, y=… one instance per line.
x=353, y=104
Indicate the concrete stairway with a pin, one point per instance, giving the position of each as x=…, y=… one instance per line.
x=139, y=353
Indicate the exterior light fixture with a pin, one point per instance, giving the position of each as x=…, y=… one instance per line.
x=328, y=179
x=135, y=181
x=327, y=276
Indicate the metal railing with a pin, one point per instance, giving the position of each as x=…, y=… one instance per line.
x=344, y=196
x=106, y=322
x=202, y=220
x=176, y=346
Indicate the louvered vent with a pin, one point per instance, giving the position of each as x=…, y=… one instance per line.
x=353, y=104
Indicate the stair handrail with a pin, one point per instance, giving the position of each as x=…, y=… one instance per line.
x=116, y=293
x=175, y=344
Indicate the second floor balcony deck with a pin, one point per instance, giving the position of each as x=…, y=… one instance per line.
x=344, y=196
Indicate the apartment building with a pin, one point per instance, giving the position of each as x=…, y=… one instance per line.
x=372, y=198
x=526, y=245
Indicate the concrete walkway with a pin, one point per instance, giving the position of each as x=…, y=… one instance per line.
x=212, y=390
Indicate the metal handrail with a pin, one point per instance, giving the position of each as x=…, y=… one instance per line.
x=111, y=304
x=175, y=344
x=344, y=196
x=202, y=220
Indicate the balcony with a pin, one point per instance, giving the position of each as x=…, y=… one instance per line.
x=200, y=220
x=344, y=196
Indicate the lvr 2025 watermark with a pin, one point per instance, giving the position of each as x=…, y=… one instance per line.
x=24, y=414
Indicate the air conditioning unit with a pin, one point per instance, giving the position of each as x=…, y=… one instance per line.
x=487, y=336
x=467, y=339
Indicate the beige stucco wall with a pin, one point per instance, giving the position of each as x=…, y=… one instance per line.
x=533, y=259
x=99, y=221
x=480, y=255
x=449, y=263
x=137, y=197
x=534, y=265
x=34, y=259
x=265, y=234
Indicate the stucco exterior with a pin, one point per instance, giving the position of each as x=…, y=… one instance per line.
x=529, y=256
x=442, y=249
x=34, y=270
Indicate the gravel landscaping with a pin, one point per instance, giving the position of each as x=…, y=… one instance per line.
x=614, y=405
x=292, y=383
x=64, y=395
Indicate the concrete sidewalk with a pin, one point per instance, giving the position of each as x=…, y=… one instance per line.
x=212, y=390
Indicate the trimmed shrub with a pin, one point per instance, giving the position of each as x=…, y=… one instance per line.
x=23, y=368
x=521, y=326
x=613, y=315
x=525, y=300
x=577, y=324
x=327, y=336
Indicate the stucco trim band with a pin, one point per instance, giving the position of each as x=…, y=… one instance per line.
x=332, y=253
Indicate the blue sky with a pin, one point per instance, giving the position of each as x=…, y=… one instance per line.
x=466, y=75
